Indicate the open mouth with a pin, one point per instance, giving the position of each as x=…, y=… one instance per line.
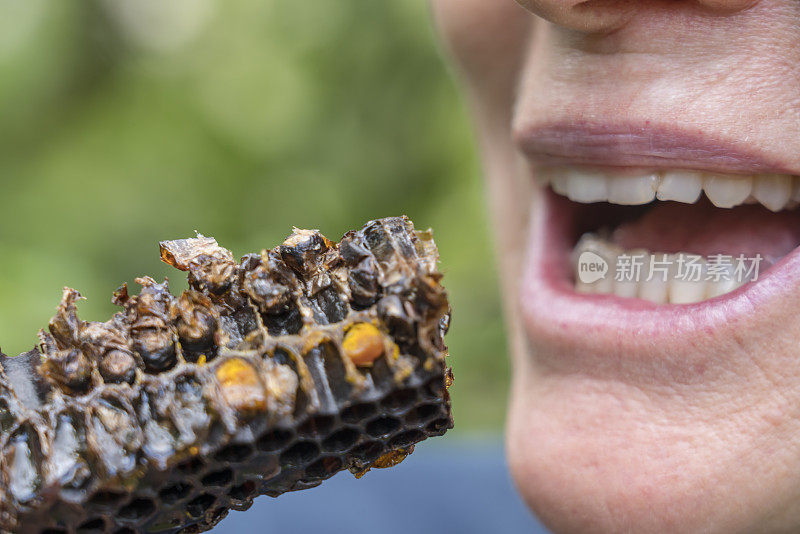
x=665, y=236
x=646, y=239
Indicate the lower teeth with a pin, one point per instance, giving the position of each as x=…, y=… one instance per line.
x=679, y=278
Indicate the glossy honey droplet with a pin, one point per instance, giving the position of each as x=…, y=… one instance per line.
x=240, y=385
x=363, y=344
x=392, y=458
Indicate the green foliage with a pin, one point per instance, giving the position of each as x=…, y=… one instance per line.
x=259, y=116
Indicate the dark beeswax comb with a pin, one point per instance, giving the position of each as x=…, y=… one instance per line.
x=267, y=375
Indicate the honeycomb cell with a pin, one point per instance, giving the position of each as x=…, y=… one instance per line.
x=22, y=461
x=117, y=434
x=328, y=307
x=341, y=440
x=243, y=491
x=393, y=314
x=190, y=410
x=218, y=478
x=404, y=439
x=363, y=343
x=438, y=426
x=175, y=492
x=274, y=440
x=234, y=453
x=358, y=412
x=117, y=367
x=200, y=505
x=196, y=320
x=324, y=467
x=286, y=323
x=317, y=426
x=382, y=426
x=241, y=388
x=137, y=510
x=69, y=464
x=368, y=451
x=156, y=348
x=300, y=453
x=421, y=413
x=335, y=373
x=399, y=400
x=362, y=278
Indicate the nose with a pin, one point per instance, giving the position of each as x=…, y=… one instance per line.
x=605, y=15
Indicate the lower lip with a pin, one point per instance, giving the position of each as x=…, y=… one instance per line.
x=553, y=311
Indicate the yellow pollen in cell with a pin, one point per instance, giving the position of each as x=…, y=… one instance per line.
x=240, y=385
x=363, y=344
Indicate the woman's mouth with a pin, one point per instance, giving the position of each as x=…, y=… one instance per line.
x=674, y=236
x=632, y=255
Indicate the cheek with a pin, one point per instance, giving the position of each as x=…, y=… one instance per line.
x=486, y=40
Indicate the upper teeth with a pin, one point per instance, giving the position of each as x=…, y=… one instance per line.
x=774, y=191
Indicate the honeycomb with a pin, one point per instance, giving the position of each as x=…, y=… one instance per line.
x=266, y=376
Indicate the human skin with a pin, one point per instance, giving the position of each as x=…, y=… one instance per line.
x=625, y=417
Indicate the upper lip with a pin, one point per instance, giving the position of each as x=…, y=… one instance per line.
x=640, y=145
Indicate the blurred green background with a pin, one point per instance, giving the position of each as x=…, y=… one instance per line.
x=123, y=123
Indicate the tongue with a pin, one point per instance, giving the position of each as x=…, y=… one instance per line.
x=706, y=230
